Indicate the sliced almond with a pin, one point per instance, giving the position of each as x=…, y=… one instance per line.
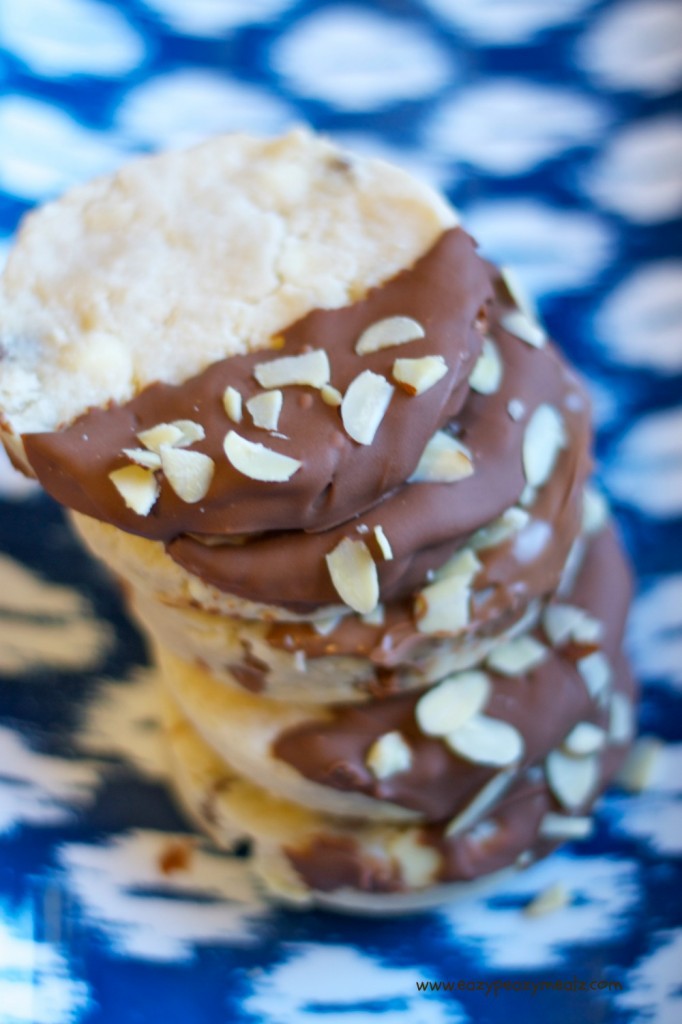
x=483, y=832
x=143, y=457
x=258, y=462
x=138, y=487
x=444, y=460
x=450, y=704
x=265, y=409
x=544, y=438
x=517, y=656
x=418, y=375
x=389, y=755
x=383, y=543
x=523, y=327
x=516, y=409
x=354, y=575
x=191, y=433
x=486, y=376
x=563, y=826
x=481, y=804
x=595, y=510
x=232, y=403
x=528, y=496
x=551, y=899
x=564, y=622
x=533, y=541
x=443, y=606
x=310, y=368
x=621, y=719
x=463, y=563
x=639, y=770
x=589, y=630
x=393, y=330
x=377, y=617
x=188, y=473
x=596, y=671
x=500, y=530
x=331, y=396
x=572, y=566
x=485, y=740
x=585, y=738
x=162, y=433
x=419, y=862
x=518, y=293
x=572, y=779
x=364, y=405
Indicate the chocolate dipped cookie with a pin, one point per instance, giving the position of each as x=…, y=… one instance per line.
x=343, y=475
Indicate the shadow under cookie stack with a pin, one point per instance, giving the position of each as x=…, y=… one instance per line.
x=343, y=474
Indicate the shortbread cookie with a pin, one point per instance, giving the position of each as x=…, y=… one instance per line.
x=509, y=820
x=526, y=438
x=304, y=857
x=522, y=436
x=423, y=753
x=182, y=259
x=297, y=662
x=232, y=810
x=340, y=470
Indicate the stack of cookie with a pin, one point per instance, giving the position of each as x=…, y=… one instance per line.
x=343, y=473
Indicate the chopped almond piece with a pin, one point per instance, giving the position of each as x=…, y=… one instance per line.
x=188, y=473
x=138, y=487
x=418, y=375
x=232, y=403
x=257, y=461
x=393, y=330
x=354, y=575
x=364, y=406
x=310, y=368
x=265, y=409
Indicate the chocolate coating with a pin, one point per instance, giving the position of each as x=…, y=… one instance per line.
x=603, y=587
x=517, y=820
x=502, y=591
x=427, y=522
x=444, y=291
x=293, y=525
x=290, y=527
x=543, y=705
x=332, y=862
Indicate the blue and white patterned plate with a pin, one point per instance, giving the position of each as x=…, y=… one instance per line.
x=556, y=127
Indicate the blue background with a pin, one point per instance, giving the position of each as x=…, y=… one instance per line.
x=556, y=128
